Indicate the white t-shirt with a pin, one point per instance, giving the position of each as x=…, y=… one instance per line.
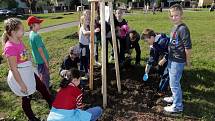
x=85, y=40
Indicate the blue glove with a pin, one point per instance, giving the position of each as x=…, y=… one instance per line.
x=145, y=77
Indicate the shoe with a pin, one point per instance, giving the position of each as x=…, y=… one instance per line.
x=168, y=99
x=172, y=109
x=84, y=78
x=97, y=63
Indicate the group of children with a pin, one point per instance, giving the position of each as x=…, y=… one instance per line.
x=171, y=54
x=24, y=80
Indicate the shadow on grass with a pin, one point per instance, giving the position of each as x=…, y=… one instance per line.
x=72, y=36
x=199, y=91
x=22, y=17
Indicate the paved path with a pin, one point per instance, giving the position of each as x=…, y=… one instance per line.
x=56, y=27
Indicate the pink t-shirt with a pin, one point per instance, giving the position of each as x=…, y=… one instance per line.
x=16, y=49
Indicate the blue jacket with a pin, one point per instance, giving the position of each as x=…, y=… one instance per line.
x=159, y=49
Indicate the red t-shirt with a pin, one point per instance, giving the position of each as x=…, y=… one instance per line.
x=68, y=98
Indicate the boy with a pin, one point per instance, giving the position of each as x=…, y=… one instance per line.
x=132, y=39
x=179, y=54
x=158, y=49
x=39, y=52
x=70, y=61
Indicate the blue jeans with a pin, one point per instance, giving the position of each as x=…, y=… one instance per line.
x=175, y=73
x=44, y=72
x=164, y=77
x=96, y=113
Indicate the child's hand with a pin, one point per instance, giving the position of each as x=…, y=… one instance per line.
x=24, y=89
x=47, y=65
x=97, y=30
x=161, y=62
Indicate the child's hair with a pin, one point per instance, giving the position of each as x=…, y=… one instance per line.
x=134, y=34
x=147, y=33
x=85, y=12
x=11, y=24
x=82, y=20
x=69, y=76
x=176, y=7
x=119, y=10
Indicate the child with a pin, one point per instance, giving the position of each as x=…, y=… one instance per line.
x=70, y=61
x=67, y=105
x=39, y=52
x=146, y=5
x=179, y=54
x=122, y=30
x=132, y=39
x=21, y=78
x=158, y=49
x=84, y=40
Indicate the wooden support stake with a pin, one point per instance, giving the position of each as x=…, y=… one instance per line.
x=103, y=38
x=92, y=23
x=114, y=47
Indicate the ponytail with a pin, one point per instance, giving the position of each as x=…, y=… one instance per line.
x=4, y=38
x=69, y=76
x=11, y=24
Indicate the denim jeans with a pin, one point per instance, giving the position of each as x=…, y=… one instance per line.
x=164, y=73
x=96, y=113
x=175, y=73
x=44, y=73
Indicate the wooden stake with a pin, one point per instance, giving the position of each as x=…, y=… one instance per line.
x=114, y=47
x=103, y=38
x=92, y=23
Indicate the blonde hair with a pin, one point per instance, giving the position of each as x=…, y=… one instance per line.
x=11, y=24
x=176, y=7
x=86, y=12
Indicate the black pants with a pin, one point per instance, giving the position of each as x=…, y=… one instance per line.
x=26, y=101
x=136, y=46
x=84, y=60
x=123, y=48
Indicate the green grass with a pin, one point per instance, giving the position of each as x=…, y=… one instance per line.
x=198, y=83
x=49, y=19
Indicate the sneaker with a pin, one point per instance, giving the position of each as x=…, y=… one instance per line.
x=168, y=99
x=84, y=78
x=97, y=63
x=172, y=109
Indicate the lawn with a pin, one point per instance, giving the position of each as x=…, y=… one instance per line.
x=198, y=83
x=50, y=19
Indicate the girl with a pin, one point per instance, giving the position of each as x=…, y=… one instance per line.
x=67, y=105
x=122, y=29
x=21, y=78
x=84, y=40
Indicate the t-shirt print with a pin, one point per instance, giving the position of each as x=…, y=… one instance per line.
x=24, y=55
